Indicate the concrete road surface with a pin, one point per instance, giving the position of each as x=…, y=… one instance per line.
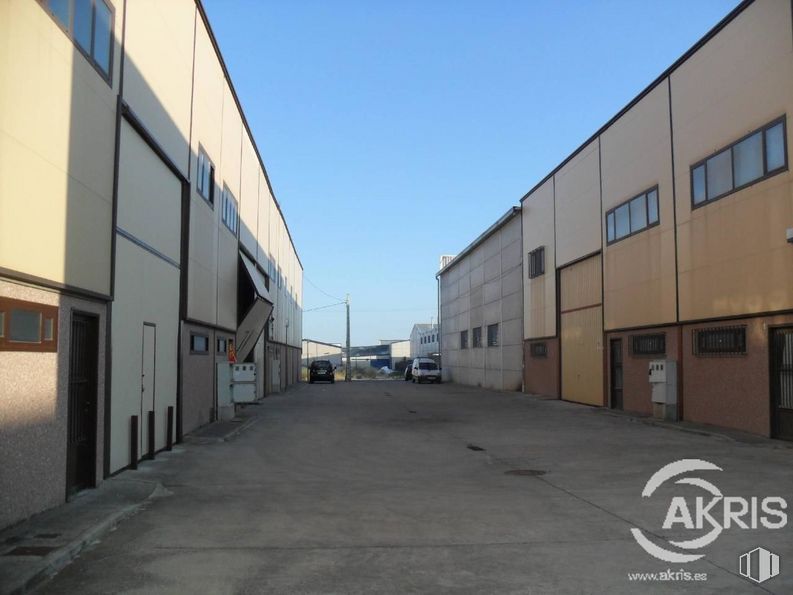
x=390, y=487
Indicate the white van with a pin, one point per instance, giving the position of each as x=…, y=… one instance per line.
x=425, y=369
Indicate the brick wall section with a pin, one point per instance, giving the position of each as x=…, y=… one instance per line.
x=541, y=374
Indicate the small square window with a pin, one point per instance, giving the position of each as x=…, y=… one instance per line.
x=24, y=326
x=27, y=326
x=199, y=343
x=538, y=350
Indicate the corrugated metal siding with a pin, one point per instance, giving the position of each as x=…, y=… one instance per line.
x=582, y=332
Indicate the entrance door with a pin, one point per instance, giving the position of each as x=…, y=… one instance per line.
x=616, y=374
x=782, y=383
x=147, y=377
x=81, y=441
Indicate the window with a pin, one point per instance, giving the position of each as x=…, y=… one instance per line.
x=221, y=346
x=90, y=25
x=492, y=335
x=230, y=217
x=199, y=343
x=538, y=350
x=477, y=336
x=537, y=262
x=27, y=326
x=654, y=344
x=205, y=177
x=632, y=216
x=464, y=339
x=726, y=340
x=758, y=155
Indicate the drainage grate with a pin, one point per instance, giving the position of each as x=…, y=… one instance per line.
x=526, y=472
x=411, y=411
x=31, y=550
x=474, y=447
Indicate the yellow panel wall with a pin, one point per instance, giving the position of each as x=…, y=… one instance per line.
x=158, y=71
x=539, y=294
x=207, y=129
x=249, y=195
x=57, y=142
x=733, y=256
x=581, y=332
x=577, y=195
x=639, y=270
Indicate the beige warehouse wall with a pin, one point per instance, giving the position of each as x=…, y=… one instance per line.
x=636, y=155
x=577, y=192
x=158, y=71
x=147, y=290
x=228, y=173
x=733, y=256
x=249, y=195
x=207, y=130
x=157, y=191
x=539, y=296
x=57, y=130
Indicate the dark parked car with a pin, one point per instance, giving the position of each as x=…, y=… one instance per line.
x=321, y=369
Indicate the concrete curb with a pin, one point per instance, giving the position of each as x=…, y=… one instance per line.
x=57, y=560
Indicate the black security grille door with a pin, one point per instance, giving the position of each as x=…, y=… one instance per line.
x=81, y=450
x=782, y=383
x=616, y=374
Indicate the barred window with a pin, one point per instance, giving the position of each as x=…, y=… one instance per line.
x=538, y=350
x=725, y=340
x=654, y=344
x=537, y=262
x=477, y=336
x=464, y=339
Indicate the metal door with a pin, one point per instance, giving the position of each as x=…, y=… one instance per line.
x=782, y=383
x=147, y=382
x=81, y=436
x=616, y=374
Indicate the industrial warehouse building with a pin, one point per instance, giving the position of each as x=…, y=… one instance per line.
x=481, y=304
x=664, y=237
x=140, y=242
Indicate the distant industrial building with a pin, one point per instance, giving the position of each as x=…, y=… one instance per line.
x=424, y=340
x=313, y=350
x=481, y=303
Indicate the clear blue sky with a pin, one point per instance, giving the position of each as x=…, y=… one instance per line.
x=396, y=131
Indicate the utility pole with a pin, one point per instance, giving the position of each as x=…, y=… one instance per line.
x=347, y=374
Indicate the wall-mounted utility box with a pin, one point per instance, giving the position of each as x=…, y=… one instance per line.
x=663, y=381
x=243, y=383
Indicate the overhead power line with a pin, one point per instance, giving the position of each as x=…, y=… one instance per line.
x=318, y=288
